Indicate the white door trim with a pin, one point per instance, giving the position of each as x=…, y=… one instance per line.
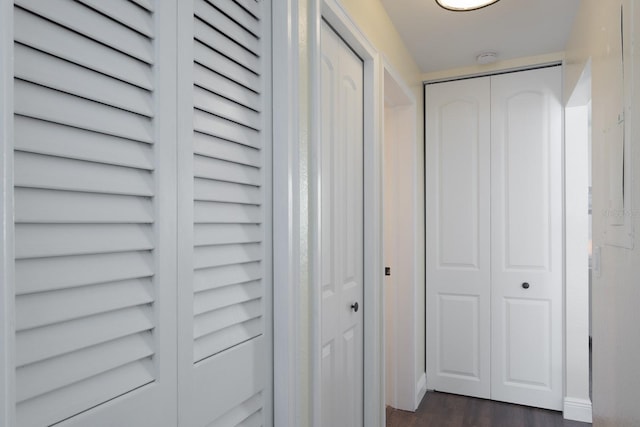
x=332, y=12
x=286, y=215
x=7, y=328
x=577, y=402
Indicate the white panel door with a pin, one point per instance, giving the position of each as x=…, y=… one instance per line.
x=224, y=235
x=341, y=233
x=526, y=229
x=458, y=262
x=94, y=213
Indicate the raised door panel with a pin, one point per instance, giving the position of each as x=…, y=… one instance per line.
x=94, y=228
x=458, y=174
x=458, y=266
x=527, y=238
x=527, y=330
x=526, y=186
x=459, y=337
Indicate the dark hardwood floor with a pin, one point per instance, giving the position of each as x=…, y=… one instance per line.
x=450, y=410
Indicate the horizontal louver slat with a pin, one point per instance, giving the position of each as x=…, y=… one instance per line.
x=52, y=240
x=225, y=129
x=228, y=192
x=226, y=26
x=217, y=277
x=224, y=234
x=211, y=59
x=49, y=274
x=64, y=76
x=214, y=343
x=251, y=6
x=34, y=345
x=229, y=295
x=126, y=13
x=210, y=322
x=55, y=40
x=221, y=107
x=239, y=15
x=225, y=87
x=53, y=206
x=38, y=136
x=55, y=106
x=41, y=309
x=90, y=24
x=238, y=54
x=213, y=212
x=57, y=173
x=214, y=256
x=238, y=415
x=221, y=170
x=51, y=374
x=254, y=420
x=51, y=408
x=146, y=4
x=209, y=146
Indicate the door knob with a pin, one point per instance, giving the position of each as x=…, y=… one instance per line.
x=525, y=285
x=355, y=307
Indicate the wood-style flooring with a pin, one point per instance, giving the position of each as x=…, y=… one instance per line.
x=450, y=410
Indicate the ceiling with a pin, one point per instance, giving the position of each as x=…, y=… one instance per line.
x=440, y=40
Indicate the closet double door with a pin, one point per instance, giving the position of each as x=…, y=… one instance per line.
x=141, y=193
x=494, y=237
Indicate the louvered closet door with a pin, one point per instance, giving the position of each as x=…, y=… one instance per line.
x=94, y=240
x=224, y=217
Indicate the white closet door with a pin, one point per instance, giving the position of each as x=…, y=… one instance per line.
x=458, y=261
x=225, y=362
x=527, y=295
x=94, y=231
x=341, y=233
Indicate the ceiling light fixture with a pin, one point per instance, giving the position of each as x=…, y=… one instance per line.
x=465, y=5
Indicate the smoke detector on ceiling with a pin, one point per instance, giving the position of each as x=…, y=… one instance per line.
x=486, y=58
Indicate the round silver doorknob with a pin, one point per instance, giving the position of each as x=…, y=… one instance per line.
x=525, y=285
x=355, y=307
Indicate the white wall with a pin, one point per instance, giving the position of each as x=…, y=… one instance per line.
x=616, y=290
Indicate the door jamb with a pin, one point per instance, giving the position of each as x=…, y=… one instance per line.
x=287, y=398
x=332, y=12
x=409, y=390
x=7, y=291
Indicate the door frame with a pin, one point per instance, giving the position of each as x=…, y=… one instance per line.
x=7, y=291
x=335, y=15
x=287, y=313
x=404, y=302
x=576, y=399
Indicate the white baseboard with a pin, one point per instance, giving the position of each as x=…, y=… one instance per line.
x=421, y=389
x=577, y=410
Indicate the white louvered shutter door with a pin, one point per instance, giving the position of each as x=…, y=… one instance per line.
x=94, y=213
x=225, y=361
